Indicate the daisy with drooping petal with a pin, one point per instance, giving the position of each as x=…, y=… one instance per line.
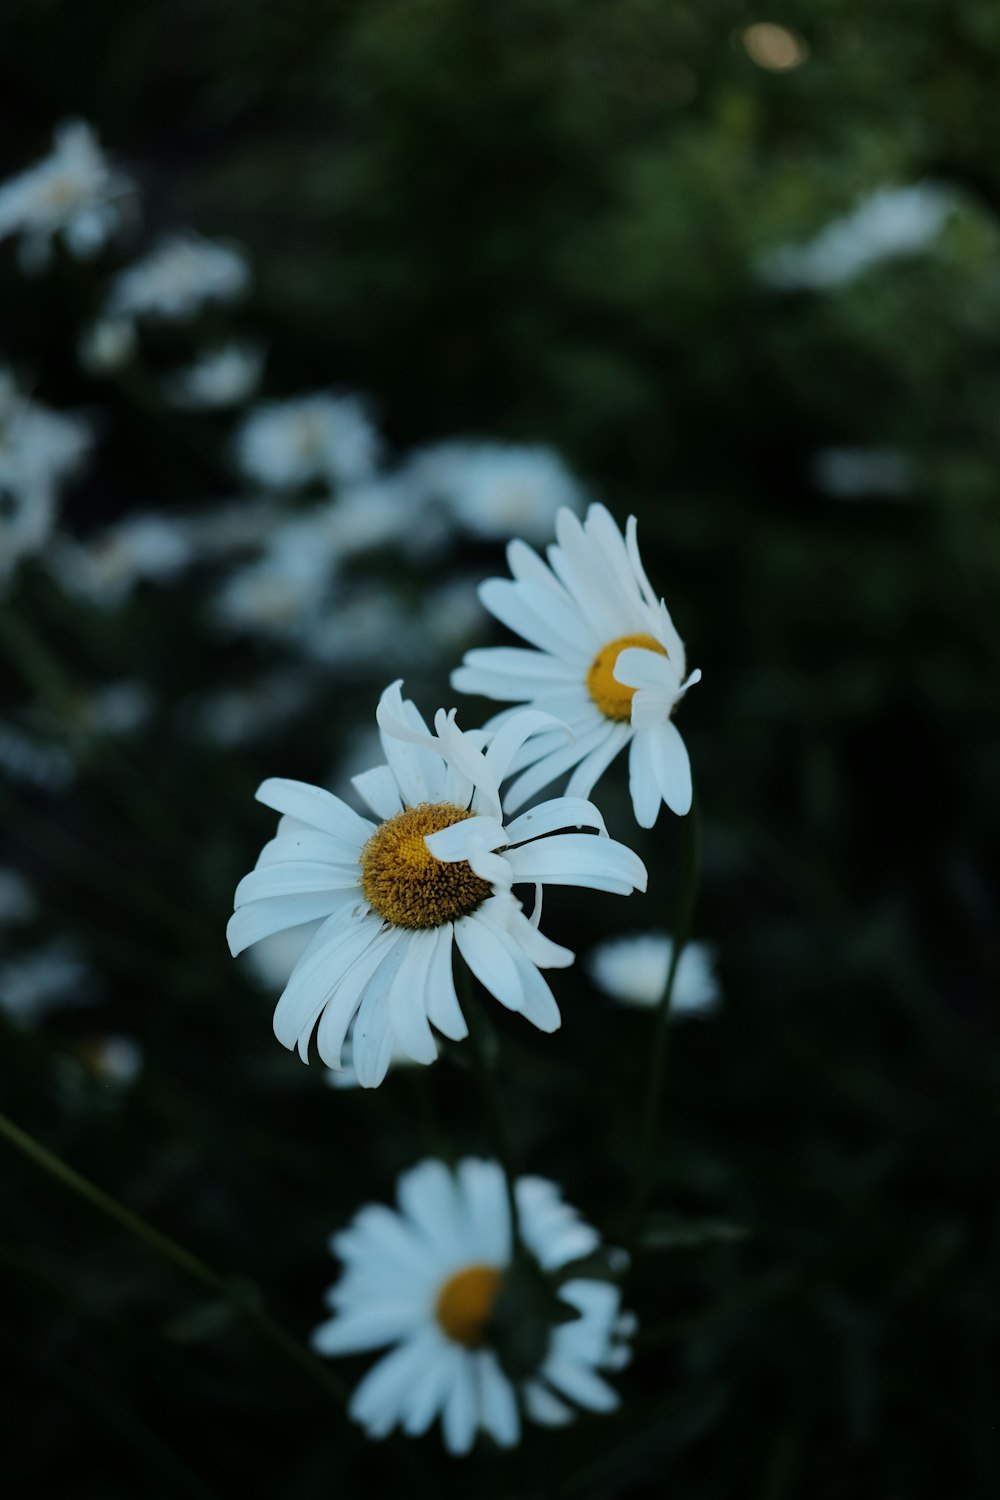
x=634, y=970
x=607, y=661
x=433, y=1278
x=434, y=873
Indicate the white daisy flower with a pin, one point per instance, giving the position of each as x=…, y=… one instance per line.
x=634, y=970
x=324, y=438
x=40, y=450
x=221, y=377
x=177, y=278
x=435, y=872
x=497, y=490
x=434, y=1279
x=607, y=661
x=74, y=192
x=885, y=224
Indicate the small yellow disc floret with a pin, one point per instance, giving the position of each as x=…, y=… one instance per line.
x=465, y=1302
x=613, y=698
x=404, y=882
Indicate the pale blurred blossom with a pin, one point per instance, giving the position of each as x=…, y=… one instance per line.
x=285, y=589
x=34, y=762
x=40, y=450
x=178, y=278
x=104, y=571
x=497, y=490
x=106, y=346
x=240, y=716
x=74, y=192
x=634, y=970
x=51, y=978
x=219, y=378
x=862, y=473
x=886, y=224
x=17, y=899
x=319, y=438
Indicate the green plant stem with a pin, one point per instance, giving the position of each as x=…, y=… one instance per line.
x=683, y=918
x=483, y=1042
x=238, y=1295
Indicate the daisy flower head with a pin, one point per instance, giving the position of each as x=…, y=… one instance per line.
x=181, y=275
x=320, y=438
x=434, y=1279
x=435, y=872
x=74, y=192
x=607, y=660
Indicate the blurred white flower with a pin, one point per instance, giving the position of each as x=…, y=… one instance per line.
x=430, y=1277
x=139, y=548
x=280, y=592
x=607, y=661
x=34, y=762
x=106, y=346
x=221, y=377
x=50, y=978
x=239, y=716
x=362, y=632
x=398, y=896
x=861, y=473
x=497, y=490
x=177, y=278
x=115, y=1061
x=387, y=511
x=74, y=192
x=634, y=970
x=886, y=224
x=40, y=450
x=17, y=899
x=118, y=708
x=323, y=438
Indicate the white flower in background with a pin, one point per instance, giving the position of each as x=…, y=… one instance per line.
x=608, y=662
x=452, y=614
x=218, y=378
x=285, y=589
x=320, y=438
x=434, y=873
x=50, y=978
x=74, y=192
x=634, y=970
x=34, y=762
x=177, y=278
x=114, y=1061
x=363, y=631
x=106, y=346
x=886, y=224
x=239, y=716
x=40, y=450
x=429, y=1277
x=862, y=473
x=388, y=510
x=17, y=899
x=105, y=571
x=232, y=529
x=497, y=490
x=118, y=708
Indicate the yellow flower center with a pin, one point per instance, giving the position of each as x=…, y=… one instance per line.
x=465, y=1303
x=404, y=882
x=612, y=697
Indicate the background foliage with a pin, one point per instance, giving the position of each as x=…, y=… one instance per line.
x=542, y=221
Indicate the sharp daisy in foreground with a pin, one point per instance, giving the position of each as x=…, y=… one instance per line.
x=607, y=661
x=434, y=873
x=434, y=1278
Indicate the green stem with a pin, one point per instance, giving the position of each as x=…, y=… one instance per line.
x=683, y=917
x=485, y=1053
x=239, y=1297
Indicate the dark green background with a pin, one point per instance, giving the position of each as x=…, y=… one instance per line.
x=539, y=221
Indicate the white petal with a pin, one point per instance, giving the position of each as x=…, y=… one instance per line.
x=671, y=767
x=497, y=1403
x=484, y=1199
x=509, y=739
x=408, y=998
x=640, y=668
x=379, y=789
x=376, y=1402
x=536, y=946
x=591, y=769
x=343, y=938
x=583, y=859
x=465, y=838
x=548, y=817
x=650, y=710
x=296, y=846
x=533, y=669
x=579, y=1382
x=319, y=808
x=369, y=1327
x=295, y=879
x=541, y=617
x=486, y=954
x=345, y=996
x=443, y=1009
x=550, y=766
x=524, y=563
x=543, y=1407
x=374, y=1037
x=642, y=783
x=427, y=1196
x=459, y=1419
x=261, y=919
x=429, y=1394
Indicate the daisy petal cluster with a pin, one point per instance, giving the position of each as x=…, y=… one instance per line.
x=221, y=377
x=74, y=192
x=182, y=274
x=634, y=970
x=432, y=1278
x=606, y=660
x=320, y=438
x=435, y=872
x=496, y=490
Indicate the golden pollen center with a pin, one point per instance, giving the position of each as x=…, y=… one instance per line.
x=613, y=698
x=465, y=1302
x=404, y=882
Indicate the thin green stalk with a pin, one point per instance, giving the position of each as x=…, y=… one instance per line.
x=484, y=1046
x=683, y=917
x=237, y=1295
